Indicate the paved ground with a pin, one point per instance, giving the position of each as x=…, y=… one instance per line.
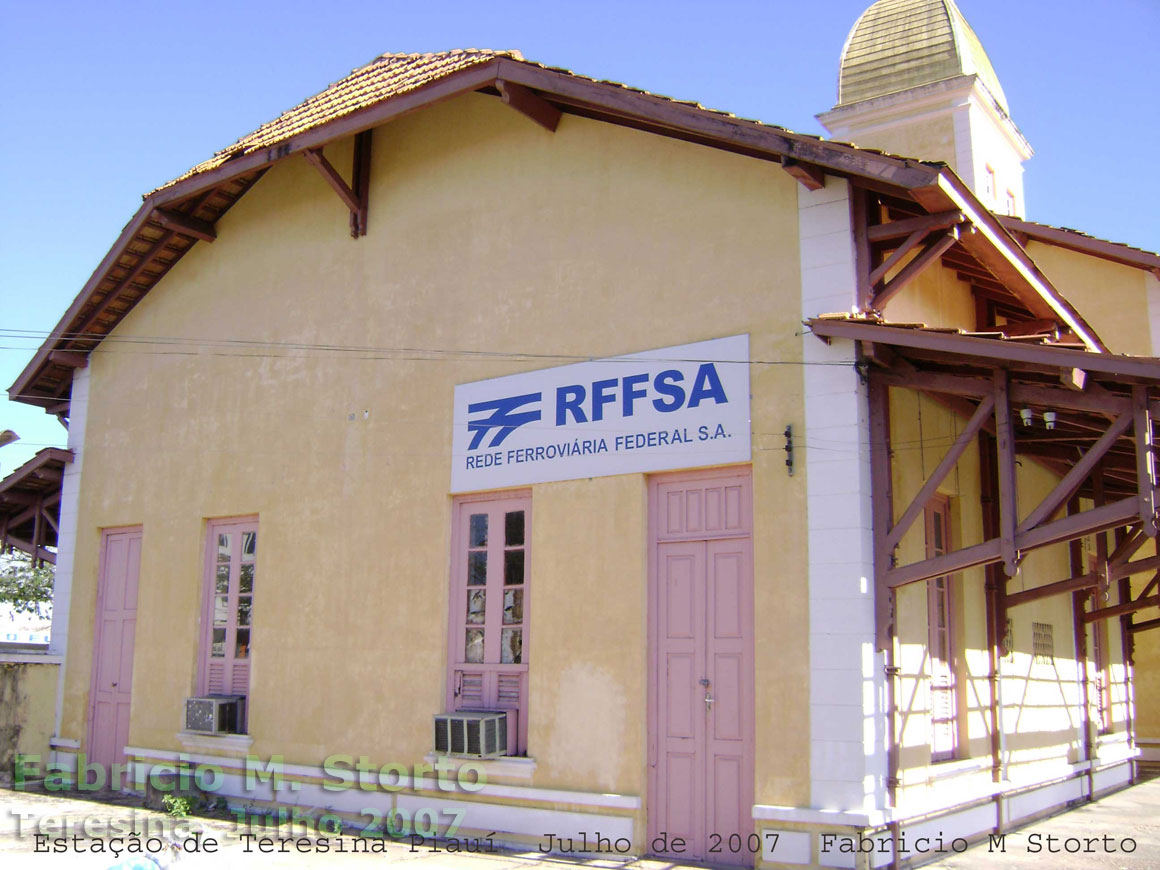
x=1129, y=819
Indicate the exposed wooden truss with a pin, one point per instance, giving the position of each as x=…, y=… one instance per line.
x=1101, y=444
x=30, y=505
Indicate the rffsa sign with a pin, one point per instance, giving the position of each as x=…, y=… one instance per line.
x=675, y=407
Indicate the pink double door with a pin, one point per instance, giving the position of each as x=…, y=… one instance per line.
x=115, y=630
x=701, y=661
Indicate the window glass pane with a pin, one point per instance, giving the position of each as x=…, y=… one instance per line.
x=218, y=648
x=473, y=651
x=223, y=548
x=514, y=528
x=478, y=535
x=511, y=650
x=245, y=609
x=476, y=605
x=249, y=546
x=223, y=578
x=221, y=609
x=242, y=648
x=513, y=606
x=938, y=533
x=477, y=568
x=247, y=578
x=513, y=567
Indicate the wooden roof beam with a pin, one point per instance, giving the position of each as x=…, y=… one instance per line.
x=1122, y=609
x=67, y=358
x=355, y=199
x=26, y=547
x=143, y=260
x=529, y=104
x=808, y=176
x=1072, y=584
x=330, y=175
x=903, y=228
x=929, y=254
x=185, y=224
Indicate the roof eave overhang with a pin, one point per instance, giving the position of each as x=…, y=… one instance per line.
x=994, y=246
x=1085, y=244
x=933, y=186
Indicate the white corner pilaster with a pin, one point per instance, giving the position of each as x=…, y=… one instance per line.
x=67, y=535
x=847, y=721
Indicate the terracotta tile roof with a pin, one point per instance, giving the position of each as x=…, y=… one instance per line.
x=392, y=75
x=384, y=77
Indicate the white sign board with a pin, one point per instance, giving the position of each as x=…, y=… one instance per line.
x=677, y=407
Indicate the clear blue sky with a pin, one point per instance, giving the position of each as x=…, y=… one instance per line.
x=104, y=101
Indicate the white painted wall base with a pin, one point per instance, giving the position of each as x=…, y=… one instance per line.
x=794, y=837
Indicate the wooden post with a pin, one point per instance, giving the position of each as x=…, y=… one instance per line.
x=1145, y=467
x=996, y=613
x=882, y=510
x=859, y=219
x=361, y=182
x=1079, y=628
x=37, y=531
x=1005, y=455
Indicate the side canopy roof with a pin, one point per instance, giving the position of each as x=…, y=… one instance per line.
x=183, y=212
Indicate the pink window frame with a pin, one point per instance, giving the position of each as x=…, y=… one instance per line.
x=212, y=530
x=462, y=508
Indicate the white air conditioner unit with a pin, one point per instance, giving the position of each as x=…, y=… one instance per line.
x=478, y=733
x=215, y=714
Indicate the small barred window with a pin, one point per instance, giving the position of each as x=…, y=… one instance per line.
x=1043, y=643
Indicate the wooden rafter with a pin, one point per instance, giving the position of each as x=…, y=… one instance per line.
x=901, y=229
x=530, y=104
x=67, y=358
x=808, y=176
x=330, y=175
x=186, y=224
x=929, y=254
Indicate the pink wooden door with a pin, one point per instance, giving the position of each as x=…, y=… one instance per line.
x=115, y=628
x=701, y=681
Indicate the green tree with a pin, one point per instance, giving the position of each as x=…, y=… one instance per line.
x=25, y=588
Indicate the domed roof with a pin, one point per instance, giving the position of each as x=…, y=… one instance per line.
x=901, y=44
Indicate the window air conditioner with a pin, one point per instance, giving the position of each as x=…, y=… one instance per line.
x=481, y=734
x=215, y=714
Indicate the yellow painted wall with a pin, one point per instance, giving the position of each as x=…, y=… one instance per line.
x=485, y=233
x=1110, y=296
x=27, y=711
x=1040, y=699
x=936, y=297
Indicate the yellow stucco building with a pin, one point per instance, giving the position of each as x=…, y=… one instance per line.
x=474, y=386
